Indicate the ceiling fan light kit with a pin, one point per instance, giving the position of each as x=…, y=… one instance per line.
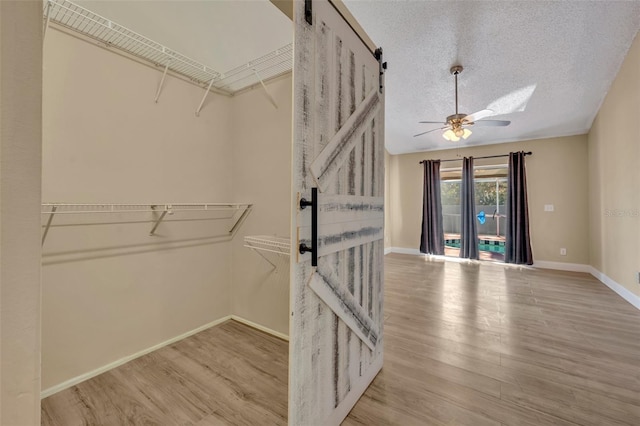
x=456, y=125
x=455, y=135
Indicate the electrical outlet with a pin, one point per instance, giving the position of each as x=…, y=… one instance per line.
x=548, y=207
x=563, y=252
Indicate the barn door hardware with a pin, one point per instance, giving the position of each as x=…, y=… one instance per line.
x=308, y=8
x=383, y=66
x=303, y=248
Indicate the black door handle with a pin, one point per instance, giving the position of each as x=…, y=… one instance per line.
x=303, y=248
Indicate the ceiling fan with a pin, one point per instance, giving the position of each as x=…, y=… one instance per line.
x=457, y=125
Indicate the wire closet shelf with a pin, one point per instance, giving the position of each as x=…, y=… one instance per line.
x=268, y=243
x=74, y=17
x=238, y=211
x=67, y=208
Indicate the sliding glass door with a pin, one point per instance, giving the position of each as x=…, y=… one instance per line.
x=490, y=184
x=491, y=198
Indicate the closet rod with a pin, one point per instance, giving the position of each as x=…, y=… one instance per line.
x=479, y=158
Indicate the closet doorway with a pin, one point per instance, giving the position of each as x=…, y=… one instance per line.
x=204, y=184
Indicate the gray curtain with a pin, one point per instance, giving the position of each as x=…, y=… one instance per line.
x=518, y=244
x=468, y=226
x=432, y=238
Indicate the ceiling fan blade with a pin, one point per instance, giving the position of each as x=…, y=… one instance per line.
x=479, y=115
x=429, y=131
x=431, y=122
x=492, y=123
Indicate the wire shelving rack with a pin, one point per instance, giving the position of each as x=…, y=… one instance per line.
x=76, y=18
x=239, y=211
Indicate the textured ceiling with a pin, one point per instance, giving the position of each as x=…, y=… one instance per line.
x=546, y=66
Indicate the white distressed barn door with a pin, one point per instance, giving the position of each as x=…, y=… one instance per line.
x=338, y=148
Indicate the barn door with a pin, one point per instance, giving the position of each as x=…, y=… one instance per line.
x=338, y=217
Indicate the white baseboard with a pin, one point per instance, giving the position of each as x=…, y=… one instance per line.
x=387, y=250
x=561, y=266
x=621, y=290
x=86, y=376
x=576, y=267
x=103, y=369
x=260, y=327
x=417, y=252
x=403, y=250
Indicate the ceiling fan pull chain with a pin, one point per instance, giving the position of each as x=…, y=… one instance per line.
x=456, y=77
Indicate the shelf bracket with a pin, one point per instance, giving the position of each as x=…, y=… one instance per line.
x=46, y=21
x=240, y=219
x=167, y=209
x=264, y=257
x=204, y=97
x=48, y=225
x=164, y=74
x=273, y=102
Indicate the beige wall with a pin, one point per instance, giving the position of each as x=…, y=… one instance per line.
x=262, y=175
x=20, y=150
x=109, y=289
x=614, y=177
x=556, y=174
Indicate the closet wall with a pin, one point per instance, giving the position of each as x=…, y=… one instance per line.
x=110, y=290
x=20, y=145
x=262, y=175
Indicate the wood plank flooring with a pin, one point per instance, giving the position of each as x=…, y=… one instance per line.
x=227, y=375
x=465, y=344
x=485, y=344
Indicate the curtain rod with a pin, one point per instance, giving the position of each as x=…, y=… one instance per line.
x=479, y=158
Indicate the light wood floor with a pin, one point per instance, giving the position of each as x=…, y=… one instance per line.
x=469, y=344
x=227, y=375
x=465, y=344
